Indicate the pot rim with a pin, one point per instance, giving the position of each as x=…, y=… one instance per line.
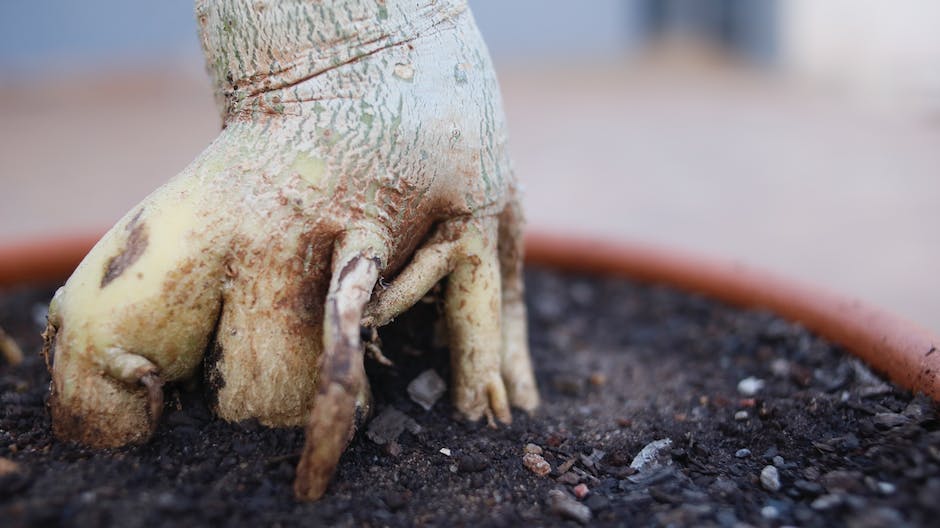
x=906, y=352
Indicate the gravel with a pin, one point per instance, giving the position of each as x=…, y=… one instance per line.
x=770, y=478
x=565, y=506
x=652, y=456
x=536, y=464
x=750, y=386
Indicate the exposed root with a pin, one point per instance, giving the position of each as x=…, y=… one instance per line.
x=10, y=351
x=342, y=374
x=289, y=223
x=374, y=348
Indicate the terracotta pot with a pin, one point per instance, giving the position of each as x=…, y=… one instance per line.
x=904, y=351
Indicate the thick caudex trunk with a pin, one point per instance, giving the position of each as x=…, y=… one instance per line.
x=361, y=140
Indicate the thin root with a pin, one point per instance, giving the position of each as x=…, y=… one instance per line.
x=375, y=352
x=342, y=380
x=154, y=384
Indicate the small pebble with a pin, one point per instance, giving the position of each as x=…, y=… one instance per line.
x=566, y=507
x=843, y=480
x=750, y=386
x=770, y=478
x=8, y=467
x=780, y=367
x=397, y=500
x=566, y=465
x=533, y=449
x=769, y=512
x=914, y=411
x=472, y=463
x=742, y=453
x=652, y=455
x=890, y=420
x=779, y=461
x=426, y=389
x=581, y=491
x=886, y=488
x=808, y=488
x=389, y=424
x=826, y=502
x=444, y=451
x=591, y=461
x=740, y=416
x=598, y=379
x=724, y=487
x=536, y=464
x=811, y=473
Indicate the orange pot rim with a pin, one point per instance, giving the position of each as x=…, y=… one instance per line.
x=904, y=351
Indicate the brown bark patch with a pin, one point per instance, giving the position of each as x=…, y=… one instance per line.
x=48, y=344
x=135, y=246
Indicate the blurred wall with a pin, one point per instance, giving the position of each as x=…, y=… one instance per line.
x=749, y=28
x=52, y=36
x=598, y=30
x=47, y=37
x=886, y=52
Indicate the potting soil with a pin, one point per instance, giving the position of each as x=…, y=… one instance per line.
x=659, y=408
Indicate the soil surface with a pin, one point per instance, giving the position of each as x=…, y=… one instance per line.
x=660, y=408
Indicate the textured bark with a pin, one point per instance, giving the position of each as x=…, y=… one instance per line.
x=352, y=130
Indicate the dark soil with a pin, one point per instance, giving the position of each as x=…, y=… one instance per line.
x=620, y=365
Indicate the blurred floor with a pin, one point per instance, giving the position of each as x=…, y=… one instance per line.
x=708, y=159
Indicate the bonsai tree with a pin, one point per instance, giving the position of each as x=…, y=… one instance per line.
x=362, y=159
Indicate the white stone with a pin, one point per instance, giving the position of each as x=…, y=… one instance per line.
x=651, y=455
x=770, y=478
x=750, y=386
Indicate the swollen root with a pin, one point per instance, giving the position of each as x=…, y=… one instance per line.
x=362, y=138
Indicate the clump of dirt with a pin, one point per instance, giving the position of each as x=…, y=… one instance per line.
x=660, y=408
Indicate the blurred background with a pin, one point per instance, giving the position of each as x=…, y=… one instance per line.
x=796, y=135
